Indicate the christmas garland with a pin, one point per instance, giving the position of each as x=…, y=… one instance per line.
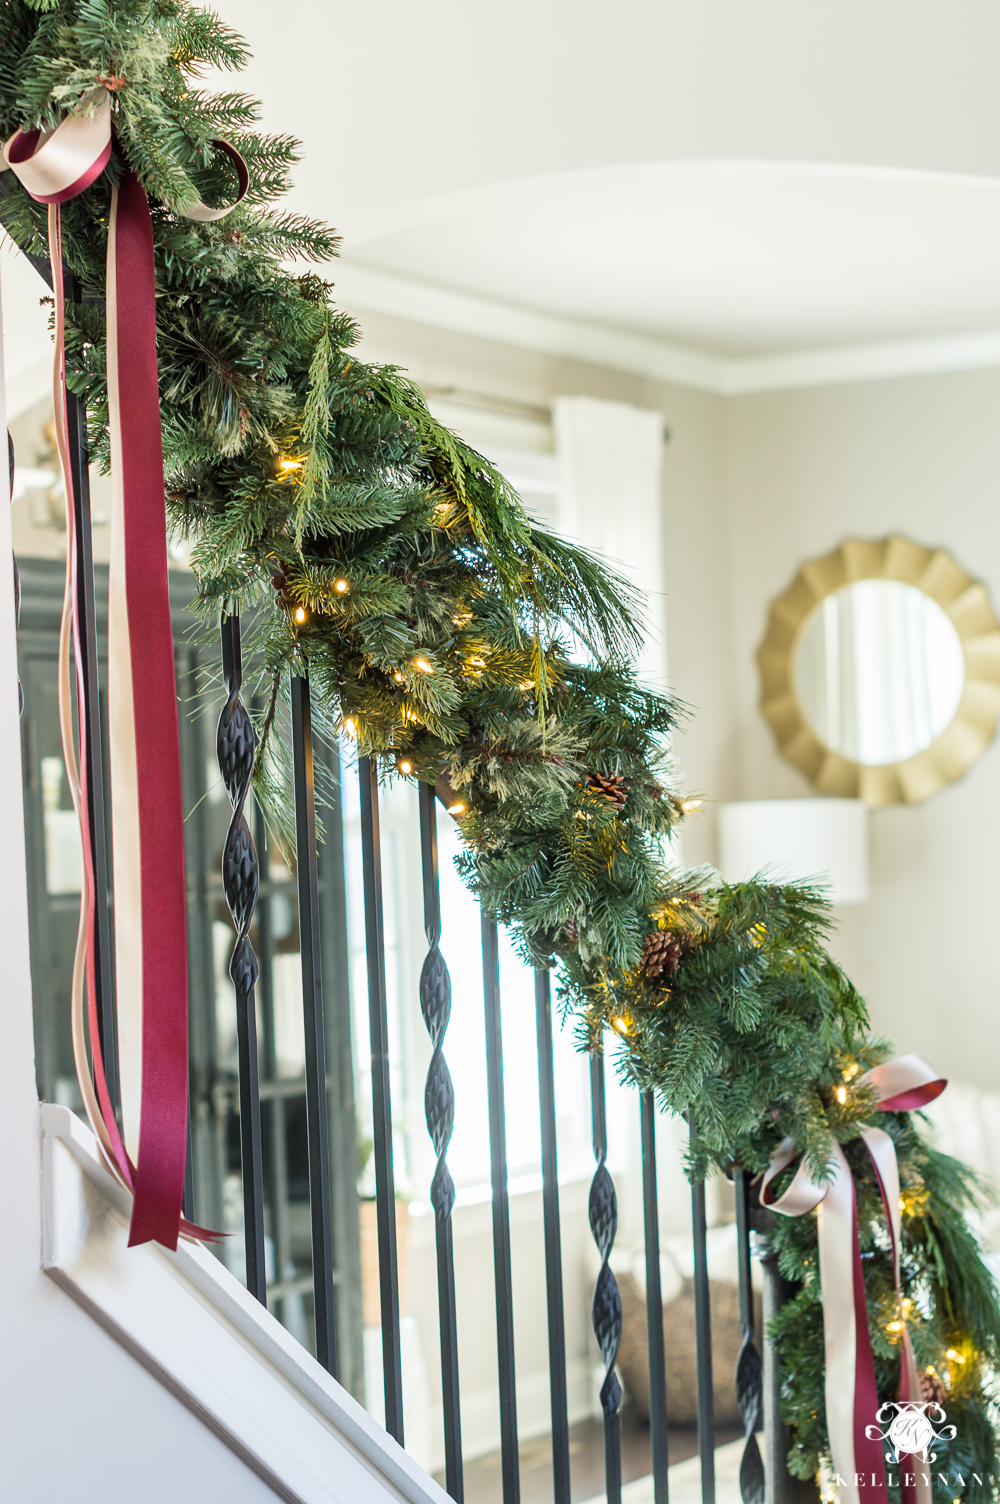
x=459, y=643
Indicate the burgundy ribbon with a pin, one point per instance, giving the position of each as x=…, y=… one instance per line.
x=150, y=886
x=159, y=1182
x=902, y=1084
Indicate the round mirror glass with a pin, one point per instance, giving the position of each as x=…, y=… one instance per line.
x=878, y=671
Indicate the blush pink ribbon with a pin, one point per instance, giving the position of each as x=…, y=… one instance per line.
x=147, y=810
x=902, y=1084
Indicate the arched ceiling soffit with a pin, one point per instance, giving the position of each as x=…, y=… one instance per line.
x=400, y=101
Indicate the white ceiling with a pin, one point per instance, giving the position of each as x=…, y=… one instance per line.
x=692, y=190
x=397, y=102
x=735, y=258
x=737, y=177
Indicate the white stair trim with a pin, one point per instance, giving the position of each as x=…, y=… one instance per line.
x=194, y=1326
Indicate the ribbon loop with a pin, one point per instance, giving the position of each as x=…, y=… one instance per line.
x=905, y=1083
x=54, y=166
x=202, y=212
x=802, y=1196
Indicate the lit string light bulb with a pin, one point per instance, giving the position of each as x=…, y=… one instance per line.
x=405, y=766
x=300, y=613
x=341, y=587
x=288, y=464
x=423, y=665
x=350, y=726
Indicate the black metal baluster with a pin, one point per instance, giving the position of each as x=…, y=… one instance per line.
x=439, y=1110
x=17, y=577
x=90, y=720
x=205, y=1146
x=654, y=1303
x=780, y=1486
x=236, y=743
x=553, y=1242
x=340, y=1081
x=749, y=1370
x=510, y=1466
x=385, y=1189
x=315, y=1038
x=187, y=1199
x=703, y=1340
x=606, y=1312
x=272, y=1098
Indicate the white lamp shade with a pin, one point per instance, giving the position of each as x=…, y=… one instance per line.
x=825, y=840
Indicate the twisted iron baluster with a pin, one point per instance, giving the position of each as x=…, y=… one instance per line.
x=749, y=1369
x=439, y=1093
x=654, y=1302
x=439, y=1110
x=606, y=1312
x=236, y=744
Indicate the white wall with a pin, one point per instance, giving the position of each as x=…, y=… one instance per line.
x=804, y=469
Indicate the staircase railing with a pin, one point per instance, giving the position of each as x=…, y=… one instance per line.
x=757, y=1382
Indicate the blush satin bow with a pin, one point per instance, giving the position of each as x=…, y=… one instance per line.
x=902, y=1084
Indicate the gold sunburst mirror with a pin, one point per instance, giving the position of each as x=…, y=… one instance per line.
x=880, y=670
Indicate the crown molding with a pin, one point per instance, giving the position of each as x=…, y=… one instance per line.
x=572, y=339
x=599, y=344
x=872, y=362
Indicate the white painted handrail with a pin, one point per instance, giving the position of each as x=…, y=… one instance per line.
x=193, y=1325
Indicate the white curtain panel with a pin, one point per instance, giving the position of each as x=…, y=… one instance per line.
x=610, y=500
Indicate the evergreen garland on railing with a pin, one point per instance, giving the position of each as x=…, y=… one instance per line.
x=463, y=645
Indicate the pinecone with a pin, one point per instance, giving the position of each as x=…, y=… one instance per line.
x=660, y=954
x=932, y=1389
x=570, y=932
x=611, y=785
x=280, y=583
